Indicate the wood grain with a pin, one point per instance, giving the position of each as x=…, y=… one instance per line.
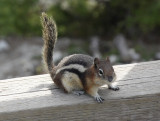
x=37, y=98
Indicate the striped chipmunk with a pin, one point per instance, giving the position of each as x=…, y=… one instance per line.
x=77, y=73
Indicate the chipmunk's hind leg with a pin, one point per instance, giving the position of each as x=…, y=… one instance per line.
x=72, y=83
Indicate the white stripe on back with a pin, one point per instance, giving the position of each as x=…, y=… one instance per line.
x=80, y=68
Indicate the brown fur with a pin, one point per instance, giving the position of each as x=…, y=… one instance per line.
x=58, y=81
x=90, y=77
x=88, y=74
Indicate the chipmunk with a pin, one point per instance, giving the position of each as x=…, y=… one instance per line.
x=77, y=73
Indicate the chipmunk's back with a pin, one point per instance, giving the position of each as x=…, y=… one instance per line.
x=80, y=59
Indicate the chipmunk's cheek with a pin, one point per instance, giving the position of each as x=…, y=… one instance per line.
x=105, y=80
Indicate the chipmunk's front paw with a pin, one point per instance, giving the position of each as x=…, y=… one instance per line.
x=99, y=99
x=115, y=88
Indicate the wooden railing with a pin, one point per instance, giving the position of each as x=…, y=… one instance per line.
x=36, y=98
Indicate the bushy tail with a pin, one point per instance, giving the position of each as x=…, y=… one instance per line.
x=49, y=37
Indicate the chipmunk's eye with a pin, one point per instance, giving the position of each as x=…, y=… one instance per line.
x=100, y=72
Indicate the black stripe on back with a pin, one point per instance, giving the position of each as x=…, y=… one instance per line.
x=81, y=75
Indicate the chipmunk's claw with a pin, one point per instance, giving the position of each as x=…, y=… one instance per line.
x=114, y=88
x=99, y=99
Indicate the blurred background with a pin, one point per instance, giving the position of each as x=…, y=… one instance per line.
x=126, y=31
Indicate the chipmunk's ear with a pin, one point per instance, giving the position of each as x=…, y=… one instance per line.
x=107, y=59
x=96, y=62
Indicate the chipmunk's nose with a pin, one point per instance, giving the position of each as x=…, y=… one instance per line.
x=110, y=78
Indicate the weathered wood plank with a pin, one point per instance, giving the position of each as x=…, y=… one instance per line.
x=37, y=98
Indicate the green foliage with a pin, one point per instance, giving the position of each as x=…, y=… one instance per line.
x=82, y=18
x=143, y=51
x=19, y=17
x=141, y=15
x=74, y=17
